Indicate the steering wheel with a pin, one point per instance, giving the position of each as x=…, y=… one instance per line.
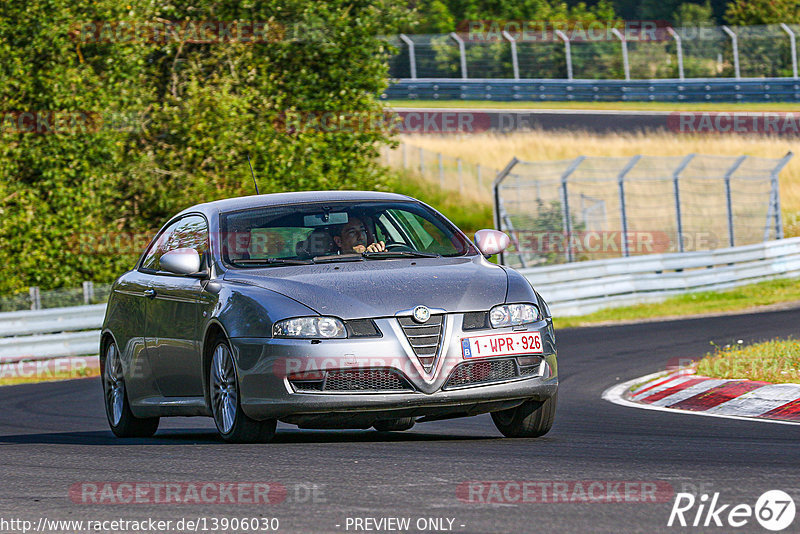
x=399, y=247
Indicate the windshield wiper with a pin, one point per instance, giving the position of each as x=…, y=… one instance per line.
x=270, y=261
x=337, y=258
x=399, y=254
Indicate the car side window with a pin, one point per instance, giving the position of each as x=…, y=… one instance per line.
x=387, y=231
x=188, y=232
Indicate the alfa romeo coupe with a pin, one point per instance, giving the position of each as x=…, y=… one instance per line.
x=325, y=310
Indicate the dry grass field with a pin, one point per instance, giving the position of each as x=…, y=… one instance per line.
x=494, y=151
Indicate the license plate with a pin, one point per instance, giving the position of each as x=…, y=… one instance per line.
x=502, y=344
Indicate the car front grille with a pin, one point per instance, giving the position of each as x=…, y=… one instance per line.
x=359, y=381
x=487, y=371
x=424, y=338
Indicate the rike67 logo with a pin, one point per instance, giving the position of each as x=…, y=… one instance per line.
x=774, y=510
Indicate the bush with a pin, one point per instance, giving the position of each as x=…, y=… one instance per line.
x=198, y=110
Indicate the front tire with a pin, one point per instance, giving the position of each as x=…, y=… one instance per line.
x=531, y=419
x=118, y=411
x=232, y=423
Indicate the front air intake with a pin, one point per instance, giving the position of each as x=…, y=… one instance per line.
x=424, y=338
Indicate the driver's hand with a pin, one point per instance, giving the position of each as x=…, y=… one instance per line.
x=376, y=247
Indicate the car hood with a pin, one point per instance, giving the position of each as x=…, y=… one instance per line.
x=381, y=288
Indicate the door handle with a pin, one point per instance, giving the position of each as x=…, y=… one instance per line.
x=150, y=293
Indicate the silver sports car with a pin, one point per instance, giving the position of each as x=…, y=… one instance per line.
x=325, y=310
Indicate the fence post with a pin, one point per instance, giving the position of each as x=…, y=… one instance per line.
x=735, y=45
x=514, y=59
x=422, y=161
x=679, y=45
x=774, y=175
x=625, y=65
x=621, y=180
x=498, y=207
x=676, y=188
x=460, y=178
x=567, y=52
x=88, y=292
x=793, y=41
x=566, y=221
x=36, y=298
x=412, y=58
x=729, y=200
x=462, y=52
x=441, y=171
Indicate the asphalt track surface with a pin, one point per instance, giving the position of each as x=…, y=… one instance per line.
x=54, y=435
x=572, y=120
x=603, y=121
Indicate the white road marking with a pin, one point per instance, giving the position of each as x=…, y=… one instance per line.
x=666, y=385
x=760, y=400
x=691, y=391
x=616, y=394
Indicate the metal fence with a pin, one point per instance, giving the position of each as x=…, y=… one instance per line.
x=594, y=208
x=469, y=179
x=768, y=51
x=35, y=299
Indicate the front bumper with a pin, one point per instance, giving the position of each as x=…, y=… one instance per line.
x=263, y=365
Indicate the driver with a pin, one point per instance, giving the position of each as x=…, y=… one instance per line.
x=352, y=238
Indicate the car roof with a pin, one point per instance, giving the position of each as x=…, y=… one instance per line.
x=277, y=199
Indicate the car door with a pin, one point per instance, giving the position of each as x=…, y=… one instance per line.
x=173, y=313
x=126, y=318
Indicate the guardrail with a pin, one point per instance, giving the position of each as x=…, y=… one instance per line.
x=570, y=289
x=665, y=90
x=585, y=287
x=50, y=333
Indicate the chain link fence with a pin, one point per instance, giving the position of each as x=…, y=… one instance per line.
x=34, y=299
x=450, y=173
x=603, y=207
x=665, y=53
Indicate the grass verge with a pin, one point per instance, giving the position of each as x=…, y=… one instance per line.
x=776, y=361
x=738, y=299
x=638, y=106
x=495, y=151
x=30, y=372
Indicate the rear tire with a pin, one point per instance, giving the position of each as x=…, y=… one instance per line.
x=118, y=411
x=531, y=419
x=394, y=425
x=232, y=423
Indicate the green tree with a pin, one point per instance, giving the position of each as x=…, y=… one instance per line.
x=757, y=12
x=201, y=108
x=691, y=14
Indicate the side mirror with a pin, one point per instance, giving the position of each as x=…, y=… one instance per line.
x=491, y=242
x=184, y=261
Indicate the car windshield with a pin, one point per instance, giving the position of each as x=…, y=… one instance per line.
x=337, y=231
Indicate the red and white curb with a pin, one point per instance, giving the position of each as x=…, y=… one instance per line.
x=685, y=392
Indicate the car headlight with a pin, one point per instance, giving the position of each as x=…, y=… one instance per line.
x=310, y=327
x=513, y=314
